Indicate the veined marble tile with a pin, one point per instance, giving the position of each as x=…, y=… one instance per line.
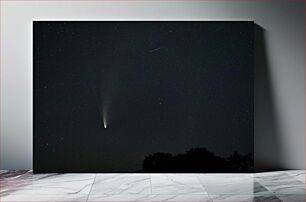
x=265, y=198
x=232, y=184
x=275, y=175
x=39, y=184
x=174, y=184
x=295, y=171
x=14, y=180
x=298, y=175
x=287, y=188
x=121, y=184
x=231, y=198
x=281, y=183
x=245, y=198
x=14, y=174
x=183, y=198
x=260, y=190
x=43, y=198
x=149, y=198
x=291, y=197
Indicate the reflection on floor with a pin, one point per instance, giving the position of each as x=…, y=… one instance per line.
x=271, y=186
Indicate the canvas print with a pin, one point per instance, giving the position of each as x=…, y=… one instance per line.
x=143, y=96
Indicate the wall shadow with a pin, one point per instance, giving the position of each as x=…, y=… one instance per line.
x=267, y=148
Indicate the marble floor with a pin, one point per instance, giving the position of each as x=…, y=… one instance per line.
x=286, y=186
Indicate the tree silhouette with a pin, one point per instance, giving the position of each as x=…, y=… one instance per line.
x=197, y=160
x=239, y=163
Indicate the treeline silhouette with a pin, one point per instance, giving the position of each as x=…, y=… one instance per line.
x=197, y=160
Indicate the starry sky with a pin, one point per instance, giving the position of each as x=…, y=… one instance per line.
x=158, y=87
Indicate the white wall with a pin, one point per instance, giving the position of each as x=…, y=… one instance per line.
x=279, y=71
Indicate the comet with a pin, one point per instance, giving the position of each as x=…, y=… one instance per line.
x=104, y=113
x=104, y=123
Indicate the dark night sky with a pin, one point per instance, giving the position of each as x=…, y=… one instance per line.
x=160, y=86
